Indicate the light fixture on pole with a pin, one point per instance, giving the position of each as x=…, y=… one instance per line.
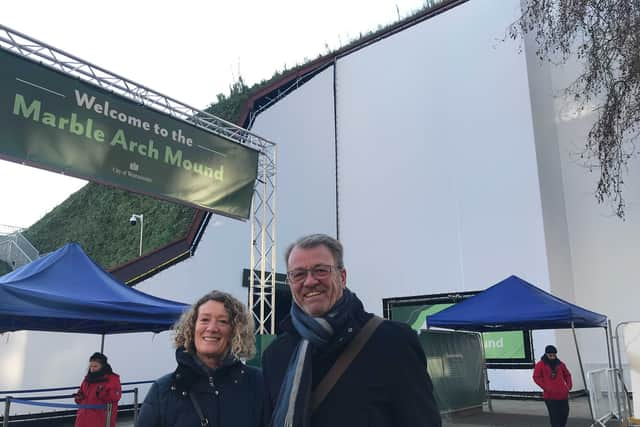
x=133, y=221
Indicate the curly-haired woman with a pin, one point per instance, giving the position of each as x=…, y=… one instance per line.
x=211, y=385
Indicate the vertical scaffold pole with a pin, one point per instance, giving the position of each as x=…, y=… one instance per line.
x=263, y=229
x=7, y=407
x=135, y=405
x=274, y=254
x=108, y=422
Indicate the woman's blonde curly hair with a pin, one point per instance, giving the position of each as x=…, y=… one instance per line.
x=243, y=345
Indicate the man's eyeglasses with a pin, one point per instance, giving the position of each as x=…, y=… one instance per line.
x=318, y=272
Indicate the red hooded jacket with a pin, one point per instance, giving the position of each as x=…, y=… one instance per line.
x=108, y=390
x=554, y=388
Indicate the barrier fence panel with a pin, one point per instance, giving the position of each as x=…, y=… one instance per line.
x=621, y=398
x=608, y=397
x=599, y=395
x=455, y=363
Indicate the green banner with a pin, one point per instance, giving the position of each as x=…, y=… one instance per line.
x=504, y=345
x=54, y=121
x=497, y=345
x=416, y=315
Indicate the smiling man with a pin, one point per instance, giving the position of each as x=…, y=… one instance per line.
x=335, y=364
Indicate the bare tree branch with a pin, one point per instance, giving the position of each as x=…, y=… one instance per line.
x=605, y=36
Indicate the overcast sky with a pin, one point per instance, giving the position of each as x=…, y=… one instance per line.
x=189, y=50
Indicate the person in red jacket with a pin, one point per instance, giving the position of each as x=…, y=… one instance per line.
x=554, y=379
x=100, y=386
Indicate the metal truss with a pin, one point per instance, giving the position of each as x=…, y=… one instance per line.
x=263, y=219
x=262, y=280
x=57, y=59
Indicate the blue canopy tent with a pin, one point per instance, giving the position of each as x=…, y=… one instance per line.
x=514, y=304
x=66, y=291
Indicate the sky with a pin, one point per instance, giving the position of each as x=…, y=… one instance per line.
x=189, y=50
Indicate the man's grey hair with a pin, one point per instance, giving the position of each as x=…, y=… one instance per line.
x=313, y=240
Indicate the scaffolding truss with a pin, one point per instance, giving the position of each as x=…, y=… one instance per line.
x=262, y=281
x=263, y=214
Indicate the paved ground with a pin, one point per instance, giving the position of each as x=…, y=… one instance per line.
x=521, y=413
x=506, y=413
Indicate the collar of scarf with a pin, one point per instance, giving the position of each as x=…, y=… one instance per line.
x=191, y=369
x=99, y=375
x=292, y=408
x=551, y=362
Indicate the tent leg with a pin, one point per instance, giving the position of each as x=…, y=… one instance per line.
x=616, y=336
x=628, y=403
x=102, y=344
x=610, y=356
x=612, y=365
x=584, y=380
x=486, y=380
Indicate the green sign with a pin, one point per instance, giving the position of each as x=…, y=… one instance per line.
x=504, y=345
x=416, y=315
x=54, y=121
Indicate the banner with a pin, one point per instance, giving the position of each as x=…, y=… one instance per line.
x=504, y=345
x=500, y=347
x=54, y=121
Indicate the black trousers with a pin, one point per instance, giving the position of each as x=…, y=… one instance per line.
x=558, y=412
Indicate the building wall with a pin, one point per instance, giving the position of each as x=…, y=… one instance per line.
x=457, y=167
x=448, y=199
x=302, y=126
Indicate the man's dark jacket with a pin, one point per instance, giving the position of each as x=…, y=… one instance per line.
x=386, y=385
x=229, y=396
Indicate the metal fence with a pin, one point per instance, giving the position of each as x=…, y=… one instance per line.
x=16, y=250
x=607, y=395
x=40, y=399
x=8, y=229
x=36, y=400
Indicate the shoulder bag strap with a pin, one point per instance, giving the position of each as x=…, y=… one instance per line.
x=203, y=420
x=341, y=365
